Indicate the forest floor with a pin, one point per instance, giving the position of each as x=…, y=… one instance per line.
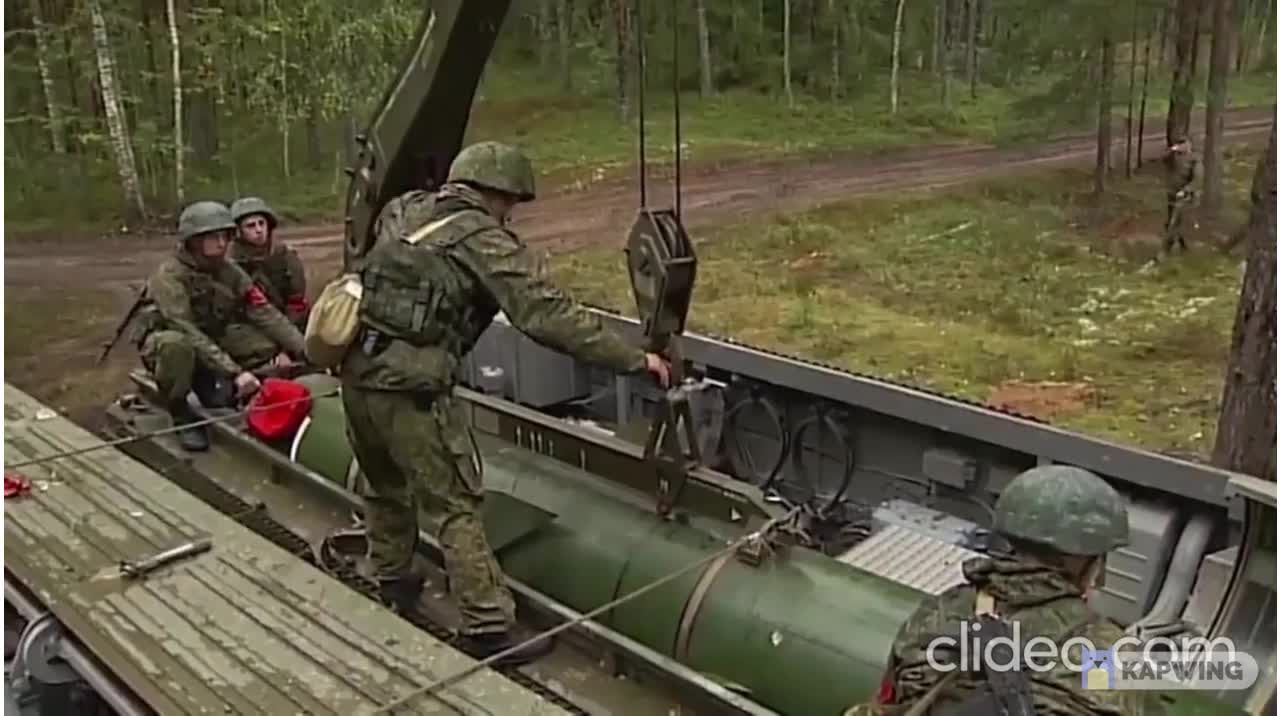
x=860, y=214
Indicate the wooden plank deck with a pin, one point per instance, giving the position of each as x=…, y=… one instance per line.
x=243, y=628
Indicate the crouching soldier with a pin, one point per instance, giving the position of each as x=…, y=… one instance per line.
x=271, y=263
x=203, y=321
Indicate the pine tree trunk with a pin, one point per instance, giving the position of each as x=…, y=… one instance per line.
x=1182, y=95
x=935, y=47
x=1133, y=78
x=704, y=49
x=1219, y=64
x=1246, y=440
x=1142, y=107
x=544, y=33
x=56, y=137
x=834, y=10
x=1106, y=74
x=564, y=22
x=786, y=52
x=1242, y=44
x=120, y=144
x=178, y=148
x=946, y=51
x=1266, y=50
x=896, y=58
x=971, y=48
x=622, y=49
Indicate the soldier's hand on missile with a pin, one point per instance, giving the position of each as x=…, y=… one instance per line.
x=247, y=384
x=659, y=367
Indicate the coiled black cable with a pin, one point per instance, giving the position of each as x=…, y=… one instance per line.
x=821, y=417
x=739, y=455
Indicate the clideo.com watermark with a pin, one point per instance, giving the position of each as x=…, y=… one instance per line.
x=1161, y=663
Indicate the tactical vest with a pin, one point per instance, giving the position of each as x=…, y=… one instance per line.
x=416, y=291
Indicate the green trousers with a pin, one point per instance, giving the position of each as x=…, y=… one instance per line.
x=416, y=451
x=171, y=357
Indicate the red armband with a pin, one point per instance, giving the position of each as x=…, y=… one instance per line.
x=256, y=297
x=297, y=304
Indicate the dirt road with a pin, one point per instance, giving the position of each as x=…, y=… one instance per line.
x=83, y=286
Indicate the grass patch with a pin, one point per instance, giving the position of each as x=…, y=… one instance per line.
x=1022, y=281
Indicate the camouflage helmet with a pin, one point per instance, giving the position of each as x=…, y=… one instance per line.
x=204, y=217
x=496, y=166
x=1067, y=509
x=248, y=205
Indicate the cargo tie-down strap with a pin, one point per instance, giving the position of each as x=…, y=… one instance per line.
x=757, y=536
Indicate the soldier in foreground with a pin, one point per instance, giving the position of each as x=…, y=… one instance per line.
x=428, y=296
x=1060, y=522
x=194, y=327
x=1183, y=176
x=271, y=263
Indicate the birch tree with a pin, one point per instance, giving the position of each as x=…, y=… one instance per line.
x=177, y=102
x=56, y=137
x=120, y=144
x=896, y=60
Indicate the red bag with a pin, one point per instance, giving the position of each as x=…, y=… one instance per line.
x=279, y=408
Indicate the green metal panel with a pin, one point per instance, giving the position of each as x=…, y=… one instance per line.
x=799, y=629
x=652, y=619
x=322, y=442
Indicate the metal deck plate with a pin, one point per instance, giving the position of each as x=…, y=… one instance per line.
x=243, y=628
x=910, y=558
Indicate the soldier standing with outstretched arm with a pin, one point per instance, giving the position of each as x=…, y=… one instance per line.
x=432, y=285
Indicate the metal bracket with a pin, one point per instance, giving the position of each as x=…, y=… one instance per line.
x=39, y=654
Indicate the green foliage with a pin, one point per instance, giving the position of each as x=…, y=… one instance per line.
x=274, y=90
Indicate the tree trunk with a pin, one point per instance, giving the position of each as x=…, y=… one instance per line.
x=564, y=22
x=1142, y=107
x=1219, y=64
x=1133, y=75
x=153, y=70
x=544, y=33
x=1106, y=73
x=704, y=49
x=1266, y=50
x=177, y=102
x=971, y=47
x=622, y=46
x=786, y=52
x=895, y=60
x=120, y=144
x=837, y=22
x=1246, y=440
x=56, y=137
x=1242, y=44
x=1182, y=95
x=935, y=48
x=284, y=99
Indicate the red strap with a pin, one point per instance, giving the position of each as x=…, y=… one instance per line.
x=15, y=485
x=297, y=304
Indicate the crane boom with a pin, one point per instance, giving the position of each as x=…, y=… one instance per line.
x=421, y=121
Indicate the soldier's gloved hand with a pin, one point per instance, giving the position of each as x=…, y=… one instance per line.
x=246, y=384
x=659, y=367
x=282, y=360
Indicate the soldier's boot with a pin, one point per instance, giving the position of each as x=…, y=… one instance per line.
x=401, y=593
x=484, y=645
x=212, y=390
x=192, y=438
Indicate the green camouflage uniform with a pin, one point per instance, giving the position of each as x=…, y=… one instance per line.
x=1184, y=175
x=1043, y=603
x=425, y=305
x=1052, y=515
x=275, y=267
x=193, y=319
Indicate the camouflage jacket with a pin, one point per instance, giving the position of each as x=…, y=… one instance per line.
x=1184, y=173
x=278, y=271
x=201, y=301
x=1040, y=602
x=451, y=286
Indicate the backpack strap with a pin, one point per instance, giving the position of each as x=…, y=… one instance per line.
x=425, y=231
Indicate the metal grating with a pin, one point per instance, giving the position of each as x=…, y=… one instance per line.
x=911, y=559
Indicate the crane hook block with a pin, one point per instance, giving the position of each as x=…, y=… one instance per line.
x=663, y=267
